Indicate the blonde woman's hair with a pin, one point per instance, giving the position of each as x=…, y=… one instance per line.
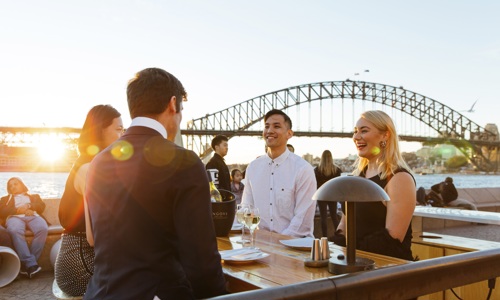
x=326, y=166
x=390, y=159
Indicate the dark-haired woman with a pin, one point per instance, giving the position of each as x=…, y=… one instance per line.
x=75, y=261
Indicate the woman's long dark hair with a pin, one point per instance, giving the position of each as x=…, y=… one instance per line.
x=91, y=139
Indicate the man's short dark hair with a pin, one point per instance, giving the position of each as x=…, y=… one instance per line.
x=218, y=139
x=150, y=91
x=288, y=121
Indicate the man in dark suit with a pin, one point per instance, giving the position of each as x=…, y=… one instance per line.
x=149, y=205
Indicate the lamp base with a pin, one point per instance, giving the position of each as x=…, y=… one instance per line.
x=339, y=265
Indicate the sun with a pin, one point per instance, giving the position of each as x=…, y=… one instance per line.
x=51, y=150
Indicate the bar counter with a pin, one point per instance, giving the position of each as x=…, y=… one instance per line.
x=284, y=265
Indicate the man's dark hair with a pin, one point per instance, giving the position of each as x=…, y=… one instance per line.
x=218, y=139
x=288, y=121
x=150, y=91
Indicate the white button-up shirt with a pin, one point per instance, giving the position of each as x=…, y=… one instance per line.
x=282, y=189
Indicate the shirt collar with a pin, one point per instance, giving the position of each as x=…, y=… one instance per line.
x=151, y=123
x=280, y=159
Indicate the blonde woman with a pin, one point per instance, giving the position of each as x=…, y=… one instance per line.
x=325, y=171
x=382, y=227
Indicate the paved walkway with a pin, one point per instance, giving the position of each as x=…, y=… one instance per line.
x=40, y=287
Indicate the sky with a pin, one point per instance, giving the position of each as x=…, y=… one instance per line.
x=60, y=58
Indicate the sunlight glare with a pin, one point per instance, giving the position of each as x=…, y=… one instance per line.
x=50, y=150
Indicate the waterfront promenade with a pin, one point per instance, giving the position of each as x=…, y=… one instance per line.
x=40, y=287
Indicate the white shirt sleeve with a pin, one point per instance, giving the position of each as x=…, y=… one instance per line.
x=302, y=223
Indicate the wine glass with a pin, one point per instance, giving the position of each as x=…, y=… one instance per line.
x=240, y=218
x=252, y=220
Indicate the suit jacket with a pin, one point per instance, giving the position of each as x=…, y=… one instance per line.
x=151, y=215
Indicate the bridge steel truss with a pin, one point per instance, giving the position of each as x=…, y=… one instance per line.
x=451, y=126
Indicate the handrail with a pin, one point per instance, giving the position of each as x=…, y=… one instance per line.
x=397, y=282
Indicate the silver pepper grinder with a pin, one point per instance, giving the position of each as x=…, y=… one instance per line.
x=316, y=250
x=325, y=249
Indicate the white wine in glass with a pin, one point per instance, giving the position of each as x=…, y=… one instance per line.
x=240, y=218
x=252, y=220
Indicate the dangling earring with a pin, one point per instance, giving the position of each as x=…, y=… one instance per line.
x=383, y=144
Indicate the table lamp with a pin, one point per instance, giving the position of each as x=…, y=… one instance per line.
x=350, y=189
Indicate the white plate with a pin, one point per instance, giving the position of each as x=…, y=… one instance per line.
x=242, y=255
x=301, y=244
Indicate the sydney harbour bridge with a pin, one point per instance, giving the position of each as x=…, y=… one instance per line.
x=330, y=109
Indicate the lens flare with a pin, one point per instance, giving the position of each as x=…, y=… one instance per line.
x=92, y=150
x=375, y=151
x=122, y=150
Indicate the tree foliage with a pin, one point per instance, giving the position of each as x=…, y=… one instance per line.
x=456, y=162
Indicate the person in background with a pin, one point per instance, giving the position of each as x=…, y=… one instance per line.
x=217, y=165
x=237, y=186
x=290, y=148
x=382, y=227
x=21, y=209
x=5, y=240
x=280, y=183
x=325, y=171
x=75, y=262
x=148, y=200
x=434, y=198
x=449, y=195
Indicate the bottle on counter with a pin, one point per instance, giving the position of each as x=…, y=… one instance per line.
x=215, y=195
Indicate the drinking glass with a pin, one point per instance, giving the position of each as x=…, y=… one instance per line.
x=252, y=220
x=240, y=218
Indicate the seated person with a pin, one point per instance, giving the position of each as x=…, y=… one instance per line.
x=450, y=195
x=434, y=197
x=20, y=210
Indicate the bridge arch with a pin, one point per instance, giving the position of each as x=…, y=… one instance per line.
x=446, y=123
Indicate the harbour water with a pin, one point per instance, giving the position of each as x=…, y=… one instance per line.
x=51, y=185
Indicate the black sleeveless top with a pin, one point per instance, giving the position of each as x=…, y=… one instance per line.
x=371, y=234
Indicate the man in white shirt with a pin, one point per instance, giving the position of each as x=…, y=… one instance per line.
x=280, y=183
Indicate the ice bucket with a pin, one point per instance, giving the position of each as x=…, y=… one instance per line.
x=223, y=213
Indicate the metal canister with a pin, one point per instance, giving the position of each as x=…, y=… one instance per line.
x=325, y=248
x=316, y=250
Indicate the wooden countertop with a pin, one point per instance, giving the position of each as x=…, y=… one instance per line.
x=284, y=265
